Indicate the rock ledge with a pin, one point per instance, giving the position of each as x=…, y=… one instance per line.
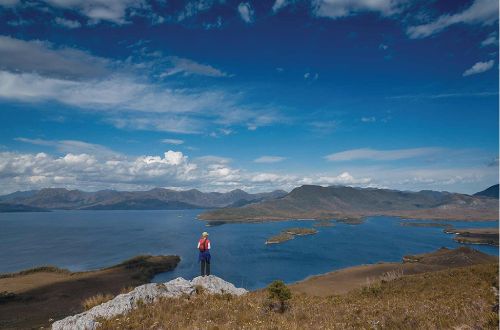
x=146, y=293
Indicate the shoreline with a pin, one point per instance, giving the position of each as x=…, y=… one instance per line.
x=353, y=219
x=344, y=280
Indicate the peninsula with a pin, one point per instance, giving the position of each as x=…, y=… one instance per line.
x=31, y=298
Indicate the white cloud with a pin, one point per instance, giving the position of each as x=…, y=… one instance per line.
x=193, y=7
x=73, y=146
x=269, y=159
x=70, y=24
x=491, y=40
x=173, y=141
x=341, y=8
x=279, y=4
x=312, y=76
x=35, y=71
x=41, y=57
x=188, y=67
x=8, y=3
x=246, y=12
x=368, y=119
x=381, y=155
x=213, y=159
x=482, y=12
x=479, y=67
x=100, y=10
x=324, y=127
x=88, y=171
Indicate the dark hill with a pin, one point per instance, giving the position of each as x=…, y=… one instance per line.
x=316, y=202
x=158, y=198
x=489, y=192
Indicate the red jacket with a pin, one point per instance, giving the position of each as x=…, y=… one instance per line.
x=204, y=244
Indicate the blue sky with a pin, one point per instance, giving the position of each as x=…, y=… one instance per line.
x=258, y=95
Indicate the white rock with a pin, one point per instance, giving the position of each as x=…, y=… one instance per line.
x=146, y=293
x=214, y=284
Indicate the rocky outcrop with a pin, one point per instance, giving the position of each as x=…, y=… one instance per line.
x=146, y=293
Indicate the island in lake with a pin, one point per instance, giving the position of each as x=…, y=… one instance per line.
x=289, y=234
x=487, y=236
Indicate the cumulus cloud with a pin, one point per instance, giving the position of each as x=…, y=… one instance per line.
x=341, y=8
x=188, y=67
x=174, y=169
x=246, y=12
x=479, y=67
x=481, y=12
x=381, y=155
x=269, y=159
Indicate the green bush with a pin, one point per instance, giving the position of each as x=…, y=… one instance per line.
x=278, y=291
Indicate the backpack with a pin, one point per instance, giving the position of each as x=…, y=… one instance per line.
x=203, y=245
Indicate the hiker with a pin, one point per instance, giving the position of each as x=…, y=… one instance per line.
x=204, y=257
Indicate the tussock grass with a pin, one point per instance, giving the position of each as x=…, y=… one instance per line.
x=457, y=298
x=46, y=269
x=96, y=300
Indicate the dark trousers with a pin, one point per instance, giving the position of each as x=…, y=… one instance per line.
x=205, y=267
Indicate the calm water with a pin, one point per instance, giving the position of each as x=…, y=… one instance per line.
x=83, y=240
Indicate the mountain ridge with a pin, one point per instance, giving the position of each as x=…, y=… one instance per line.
x=317, y=202
x=156, y=198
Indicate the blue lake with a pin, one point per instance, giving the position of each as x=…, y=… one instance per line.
x=84, y=240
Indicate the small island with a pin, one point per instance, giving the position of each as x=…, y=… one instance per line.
x=487, y=236
x=324, y=223
x=425, y=224
x=289, y=234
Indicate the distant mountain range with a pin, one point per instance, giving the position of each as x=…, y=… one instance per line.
x=155, y=199
x=317, y=202
x=489, y=192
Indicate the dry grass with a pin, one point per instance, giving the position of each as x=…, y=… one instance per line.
x=461, y=297
x=96, y=300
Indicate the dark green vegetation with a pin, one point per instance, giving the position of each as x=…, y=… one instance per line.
x=6, y=207
x=155, y=199
x=489, y=192
x=461, y=298
x=278, y=293
x=488, y=236
x=316, y=202
x=28, y=299
x=289, y=234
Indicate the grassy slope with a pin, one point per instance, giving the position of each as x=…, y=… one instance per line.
x=36, y=295
x=460, y=297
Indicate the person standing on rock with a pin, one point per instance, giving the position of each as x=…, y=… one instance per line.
x=204, y=257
